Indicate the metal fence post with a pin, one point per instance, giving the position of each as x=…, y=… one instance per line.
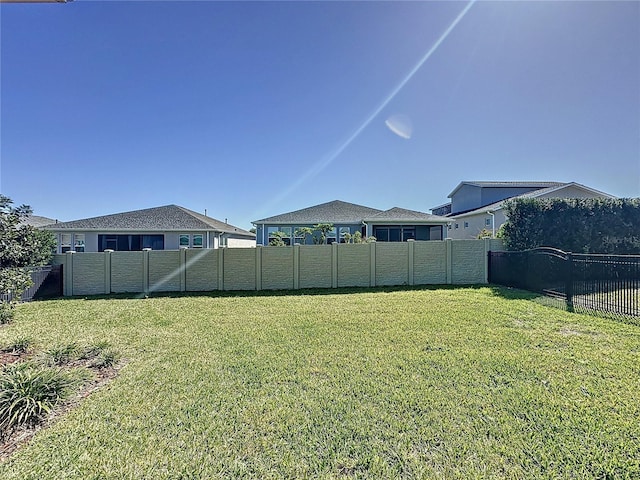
x=568, y=286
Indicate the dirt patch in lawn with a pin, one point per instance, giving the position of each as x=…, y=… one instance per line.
x=20, y=436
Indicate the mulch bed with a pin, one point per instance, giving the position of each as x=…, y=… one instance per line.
x=21, y=435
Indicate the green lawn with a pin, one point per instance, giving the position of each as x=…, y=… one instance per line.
x=406, y=383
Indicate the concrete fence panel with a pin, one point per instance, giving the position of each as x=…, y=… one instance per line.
x=238, y=268
x=392, y=263
x=277, y=268
x=127, y=271
x=88, y=274
x=315, y=266
x=469, y=259
x=164, y=270
x=430, y=263
x=354, y=265
x=201, y=270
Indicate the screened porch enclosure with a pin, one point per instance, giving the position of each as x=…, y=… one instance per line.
x=130, y=243
x=402, y=233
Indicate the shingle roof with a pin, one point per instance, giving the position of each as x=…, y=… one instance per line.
x=335, y=212
x=534, y=194
x=396, y=214
x=517, y=184
x=166, y=218
x=37, y=221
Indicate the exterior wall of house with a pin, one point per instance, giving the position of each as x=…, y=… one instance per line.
x=470, y=197
x=571, y=191
x=469, y=226
x=171, y=239
x=494, y=194
x=272, y=268
x=239, y=242
x=466, y=198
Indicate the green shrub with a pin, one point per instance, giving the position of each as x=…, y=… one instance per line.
x=100, y=355
x=578, y=225
x=6, y=313
x=93, y=350
x=19, y=345
x=107, y=358
x=28, y=392
x=61, y=354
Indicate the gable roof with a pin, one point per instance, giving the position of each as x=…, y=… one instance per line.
x=535, y=194
x=165, y=218
x=400, y=215
x=520, y=184
x=335, y=212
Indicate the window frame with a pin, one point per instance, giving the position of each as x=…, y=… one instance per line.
x=79, y=242
x=65, y=246
x=194, y=238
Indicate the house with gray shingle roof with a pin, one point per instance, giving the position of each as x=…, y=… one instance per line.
x=393, y=225
x=160, y=228
x=37, y=221
x=476, y=206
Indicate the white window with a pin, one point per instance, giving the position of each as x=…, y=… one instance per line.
x=78, y=244
x=457, y=225
x=466, y=224
x=65, y=242
x=184, y=240
x=197, y=240
x=284, y=234
x=487, y=222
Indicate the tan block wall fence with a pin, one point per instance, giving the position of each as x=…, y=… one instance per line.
x=278, y=268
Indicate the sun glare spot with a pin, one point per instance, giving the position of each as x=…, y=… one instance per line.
x=400, y=124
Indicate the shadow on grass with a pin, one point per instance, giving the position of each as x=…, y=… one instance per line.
x=503, y=292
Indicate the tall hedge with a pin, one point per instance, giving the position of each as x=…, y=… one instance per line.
x=578, y=225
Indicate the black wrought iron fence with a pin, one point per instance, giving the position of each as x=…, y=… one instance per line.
x=601, y=283
x=47, y=283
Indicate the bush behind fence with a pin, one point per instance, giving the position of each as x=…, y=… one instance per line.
x=278, y=268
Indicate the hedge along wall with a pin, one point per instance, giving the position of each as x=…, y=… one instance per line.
x=578, y=225
x=278, y=268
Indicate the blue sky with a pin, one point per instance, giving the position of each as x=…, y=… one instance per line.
x=252, y=109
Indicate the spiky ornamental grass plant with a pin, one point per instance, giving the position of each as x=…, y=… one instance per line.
x=19, y=345
x=28, y=392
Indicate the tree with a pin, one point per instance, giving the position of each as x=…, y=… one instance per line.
x=323, y=228
x=20, y=246
x=304, y=232
x=484, y=233
x=277, y=239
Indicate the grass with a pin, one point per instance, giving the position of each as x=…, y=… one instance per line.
x=404, y=383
